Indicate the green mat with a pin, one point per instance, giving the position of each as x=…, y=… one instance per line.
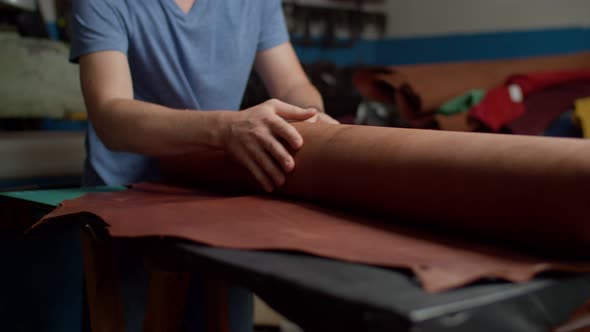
x=54, y=197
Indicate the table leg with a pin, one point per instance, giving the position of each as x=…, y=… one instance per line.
x=216, y=304
x=102, y=284
x=168, y=291
x=166, y=301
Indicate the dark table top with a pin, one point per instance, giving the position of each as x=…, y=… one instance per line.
x=323, y=294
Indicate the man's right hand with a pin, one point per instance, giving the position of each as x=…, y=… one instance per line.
x=253, y=137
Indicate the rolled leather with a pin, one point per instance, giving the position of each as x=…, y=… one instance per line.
x=525, y=190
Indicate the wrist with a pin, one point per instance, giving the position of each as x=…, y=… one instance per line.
x=207, y=129
x=221, y=127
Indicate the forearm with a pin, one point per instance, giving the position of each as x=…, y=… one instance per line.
x=304, y=95
x=149, y=129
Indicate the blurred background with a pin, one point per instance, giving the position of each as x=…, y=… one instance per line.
x=346, y=46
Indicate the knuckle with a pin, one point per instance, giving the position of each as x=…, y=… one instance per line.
x=269, y=104
x=250, y=131
x=279, y=123
x=290, y=131
x=259, y=158
x=250, y=123
x=271, y=146
x=267, y=110
x=267, y=119
x=269, y=122
x=274, y=147
x=258, y=132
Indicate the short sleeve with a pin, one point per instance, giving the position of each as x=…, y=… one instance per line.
x=97, y=25
x=273, y=30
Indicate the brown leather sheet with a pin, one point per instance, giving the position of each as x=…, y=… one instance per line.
x=265, y=222
x=525, y=190
x=420, y=89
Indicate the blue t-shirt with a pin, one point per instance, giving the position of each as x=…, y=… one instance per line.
x=197, y=60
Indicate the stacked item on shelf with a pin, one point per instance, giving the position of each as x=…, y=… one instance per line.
x=38, y=85
x=529, y=96
x=42, y=114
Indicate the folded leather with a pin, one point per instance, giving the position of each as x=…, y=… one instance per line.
x=256, y=222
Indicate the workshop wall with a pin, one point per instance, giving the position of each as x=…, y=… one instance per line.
x=418, y=18
x=455, y=30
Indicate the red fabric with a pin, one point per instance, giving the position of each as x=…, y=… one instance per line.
x=497, y=110
x=534, y=82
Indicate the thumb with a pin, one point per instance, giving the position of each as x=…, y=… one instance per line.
x=291, y=112
x=325, y=118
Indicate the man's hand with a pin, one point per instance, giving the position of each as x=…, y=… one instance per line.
x=253, y=138
x=285, y=79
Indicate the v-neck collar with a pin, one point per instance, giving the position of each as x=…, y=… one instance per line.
x=195, y=10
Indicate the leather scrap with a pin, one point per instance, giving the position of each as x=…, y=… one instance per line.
x=418, y=90
x=499, y=107
x=545, y=106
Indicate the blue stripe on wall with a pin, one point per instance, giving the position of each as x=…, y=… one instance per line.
x=363, y=52
x=463, y=47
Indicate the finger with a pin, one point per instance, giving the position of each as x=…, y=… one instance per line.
x=266, y=162
x=325, y=118
x=281, y=128
x=313, y=119
x=243, y=157
x=291, y=112
x=279, y=153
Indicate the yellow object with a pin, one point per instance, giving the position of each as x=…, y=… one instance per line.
x=78, y=116
x=582, y=114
